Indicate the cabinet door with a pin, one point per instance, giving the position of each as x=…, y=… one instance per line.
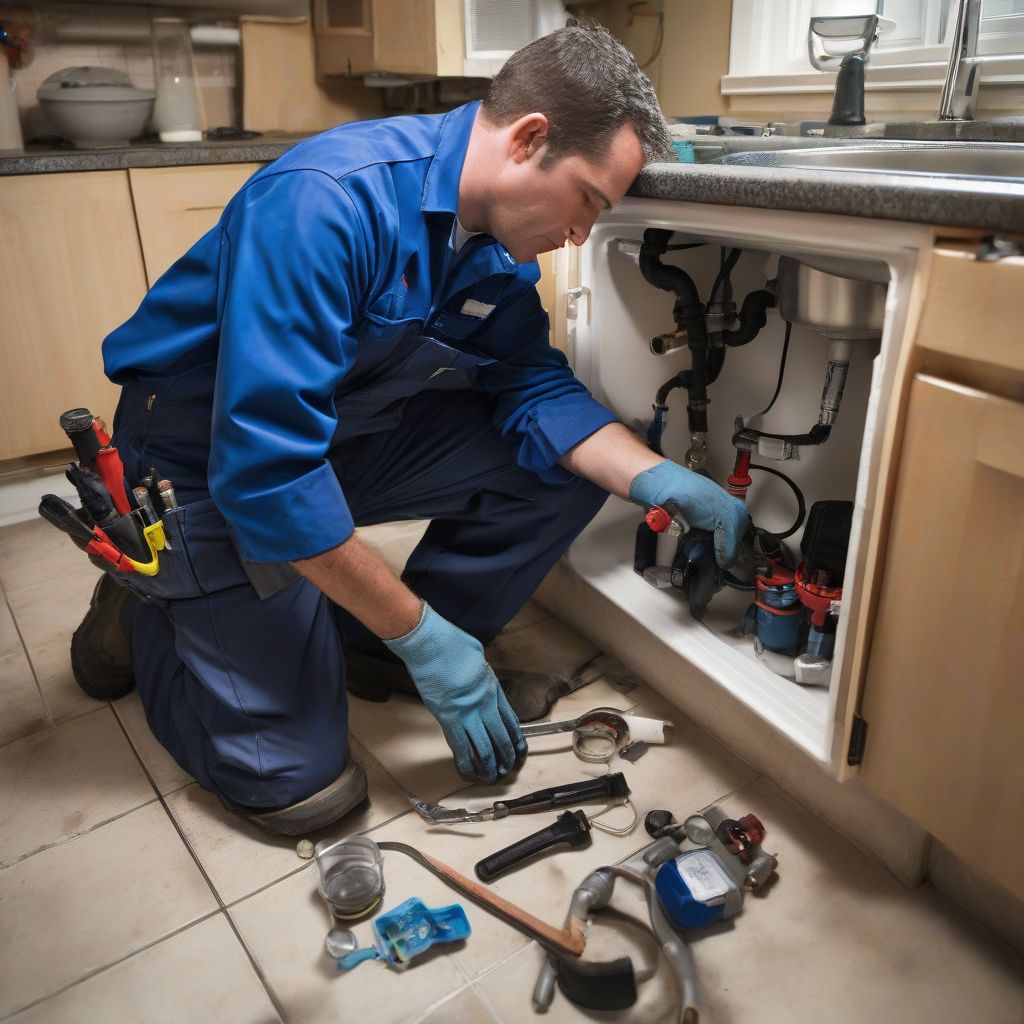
x=176, y=206
x=70, y=272
x=943, y=696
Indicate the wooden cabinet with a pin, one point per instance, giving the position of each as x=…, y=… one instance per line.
x=70, y=271
x=418, y=37
x=943, y=694
x=175, y=206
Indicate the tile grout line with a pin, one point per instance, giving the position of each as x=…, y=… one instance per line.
x=271, y=995
x=113, y=963
x=31, y=665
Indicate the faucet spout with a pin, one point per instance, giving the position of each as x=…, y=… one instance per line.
x=959, y=98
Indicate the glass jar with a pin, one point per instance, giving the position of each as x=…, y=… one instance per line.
x=176, y=115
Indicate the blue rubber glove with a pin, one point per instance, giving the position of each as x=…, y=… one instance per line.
x=701, y=502
x=462, y=692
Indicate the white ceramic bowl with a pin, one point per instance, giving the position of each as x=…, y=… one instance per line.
x=95, y=107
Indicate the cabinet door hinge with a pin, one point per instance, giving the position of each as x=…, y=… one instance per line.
x=858, y=739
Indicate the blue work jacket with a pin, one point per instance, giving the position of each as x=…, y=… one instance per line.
x=329, y=292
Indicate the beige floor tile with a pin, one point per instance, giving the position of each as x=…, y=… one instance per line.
x=65, y=781
x=200, y=974
x=10, y=642
x=285, y=926
x=406, y=739
x=240, y=857
x=52, y=610
x=90, y=902
x=394, y=542
x=23, y=710
x=530, y=614
x=465, y=1007
x=876, y=950
x=34, y=551
x=64, y=697
x=167, y=774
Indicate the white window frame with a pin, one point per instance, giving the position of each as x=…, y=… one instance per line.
x=768, y=53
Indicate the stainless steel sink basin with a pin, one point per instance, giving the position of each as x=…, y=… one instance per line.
x=994, y=161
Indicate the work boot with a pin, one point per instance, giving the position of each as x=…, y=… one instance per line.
x=101, y=652
x=318, y=811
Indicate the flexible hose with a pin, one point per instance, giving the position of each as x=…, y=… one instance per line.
x=801, y=506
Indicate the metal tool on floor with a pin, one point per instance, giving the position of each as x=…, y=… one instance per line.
x=571, y=828
x=598, y=734
x=684, y=889
x=608, y=787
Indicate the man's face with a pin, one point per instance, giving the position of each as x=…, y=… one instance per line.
x=539, y=209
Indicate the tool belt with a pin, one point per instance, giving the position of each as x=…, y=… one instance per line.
x=160, y=550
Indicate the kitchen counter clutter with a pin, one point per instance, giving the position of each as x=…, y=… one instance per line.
x=60, y=159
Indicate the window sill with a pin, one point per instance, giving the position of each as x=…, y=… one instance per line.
x=1007, y=70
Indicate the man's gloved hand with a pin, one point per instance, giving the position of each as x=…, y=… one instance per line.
x=701, y=501
x=462, y=692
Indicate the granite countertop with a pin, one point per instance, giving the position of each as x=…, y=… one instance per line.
x=56, y=159
x=926, y=199
x=930, y=199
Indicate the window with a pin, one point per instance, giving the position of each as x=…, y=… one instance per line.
x=769, y=43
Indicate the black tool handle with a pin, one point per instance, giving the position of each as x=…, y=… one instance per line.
x=57, y=511
x=572, y=827
x=607, y=787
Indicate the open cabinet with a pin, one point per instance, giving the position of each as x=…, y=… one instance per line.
x=618, y=313
x=923, y=690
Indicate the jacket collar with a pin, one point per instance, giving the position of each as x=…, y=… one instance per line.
x=441, y=189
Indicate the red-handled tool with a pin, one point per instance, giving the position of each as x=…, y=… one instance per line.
x=94, y=450
x=92, y=540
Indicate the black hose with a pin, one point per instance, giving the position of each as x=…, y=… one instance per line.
x=801, y=506
x=724, y=272
x=782, y=372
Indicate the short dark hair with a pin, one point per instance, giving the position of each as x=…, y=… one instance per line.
x=588, y=85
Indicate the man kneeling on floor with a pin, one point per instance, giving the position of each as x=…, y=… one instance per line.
x=359, y=340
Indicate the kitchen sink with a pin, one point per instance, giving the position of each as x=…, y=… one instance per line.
x=993, y=161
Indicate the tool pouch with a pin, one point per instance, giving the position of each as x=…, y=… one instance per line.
x=199, y=558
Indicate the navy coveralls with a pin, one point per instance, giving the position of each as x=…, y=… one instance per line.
x=325, y=358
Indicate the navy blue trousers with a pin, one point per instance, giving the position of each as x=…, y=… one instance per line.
x=249, y=695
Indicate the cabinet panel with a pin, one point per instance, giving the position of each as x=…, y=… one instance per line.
x=943, y=697
x=176, y=206
x=70, y=272
x=973, y=308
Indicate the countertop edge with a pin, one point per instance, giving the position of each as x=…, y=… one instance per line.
x=941, y=201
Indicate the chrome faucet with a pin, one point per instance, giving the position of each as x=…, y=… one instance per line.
x=960, y=90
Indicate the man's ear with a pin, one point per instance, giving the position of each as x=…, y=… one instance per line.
x=527, y=137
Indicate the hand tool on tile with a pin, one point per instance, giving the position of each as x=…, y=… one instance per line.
x=572, y=827
x=608, y=787
x=566, y=942
x=92, y=540
x=597, y=734
x=94, y=450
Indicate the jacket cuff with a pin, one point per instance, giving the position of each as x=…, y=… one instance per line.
x=553, y=427
x=299, y=519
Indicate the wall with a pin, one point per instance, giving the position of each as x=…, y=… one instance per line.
x=694, y=52
x=280, y=90
x=64, y=36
